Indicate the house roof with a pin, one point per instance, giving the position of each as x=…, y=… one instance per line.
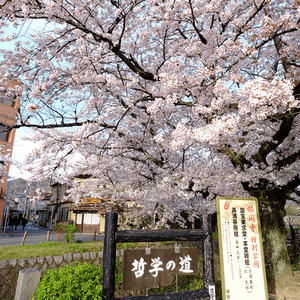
x=90, y=204
x=87, y=206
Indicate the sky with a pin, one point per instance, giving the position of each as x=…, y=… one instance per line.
x=21, y=147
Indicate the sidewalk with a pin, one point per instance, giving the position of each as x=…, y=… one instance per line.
x=37, y=235
x=30, y=228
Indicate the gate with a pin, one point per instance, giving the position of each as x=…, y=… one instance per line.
x=114, y=236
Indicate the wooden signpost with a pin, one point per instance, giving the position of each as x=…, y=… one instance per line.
x=241, y=253
x=175, y=262
x=147, y=268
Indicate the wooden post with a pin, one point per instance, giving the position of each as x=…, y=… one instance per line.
x=109, y=255
x=24, y=237
x=208, y=256
x=94, y=235
x=48, y=235
x=82, y=222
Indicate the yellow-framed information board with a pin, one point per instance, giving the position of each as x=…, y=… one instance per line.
x=243, y=273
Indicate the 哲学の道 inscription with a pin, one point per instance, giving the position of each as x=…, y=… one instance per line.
x=155, y=269
x=241, y=253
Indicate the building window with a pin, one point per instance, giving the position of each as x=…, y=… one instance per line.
x=2, y=176
x=2, y=167
x=62, y=214
x=3, y=133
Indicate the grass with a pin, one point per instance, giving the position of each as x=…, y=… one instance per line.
x=59, y=248
x=48, y=249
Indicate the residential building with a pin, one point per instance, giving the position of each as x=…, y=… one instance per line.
x=22, y=203
x=38, y=209
x=9, y=105
x=58, y=206
x=89, y=214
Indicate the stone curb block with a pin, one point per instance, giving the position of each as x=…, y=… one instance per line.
x=22, y=262
x=77, y=256
x=31, y=260
x=3, y=263
x=28, y=281
x=58, y=259
x=49, y=260
x=40, y=260
x=68, y=257
x=12, y=262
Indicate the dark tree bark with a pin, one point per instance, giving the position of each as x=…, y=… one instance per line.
x=277, y=261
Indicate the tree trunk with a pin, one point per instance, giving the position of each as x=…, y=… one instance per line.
x=278, y=266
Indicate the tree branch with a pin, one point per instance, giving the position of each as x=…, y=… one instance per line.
x=278, y=138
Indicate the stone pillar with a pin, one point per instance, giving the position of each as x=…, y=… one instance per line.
x=28, y=281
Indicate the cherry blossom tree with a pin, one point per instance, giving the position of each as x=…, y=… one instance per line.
x=4, y=161
x=168, y=102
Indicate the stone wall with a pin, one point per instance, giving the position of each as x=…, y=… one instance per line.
x=9, y=269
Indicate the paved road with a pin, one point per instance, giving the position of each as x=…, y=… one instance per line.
x=37, y=235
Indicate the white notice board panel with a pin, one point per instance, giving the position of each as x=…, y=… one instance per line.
x=241, y=254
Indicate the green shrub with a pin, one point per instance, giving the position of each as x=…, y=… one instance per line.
x=77, y=282
x=58, y=229
x=194, y=282
x=70, y=230
x=118, y=275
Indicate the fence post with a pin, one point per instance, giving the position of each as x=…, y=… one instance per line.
x=109, y=255
x=208, y=255
x=24, y=237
